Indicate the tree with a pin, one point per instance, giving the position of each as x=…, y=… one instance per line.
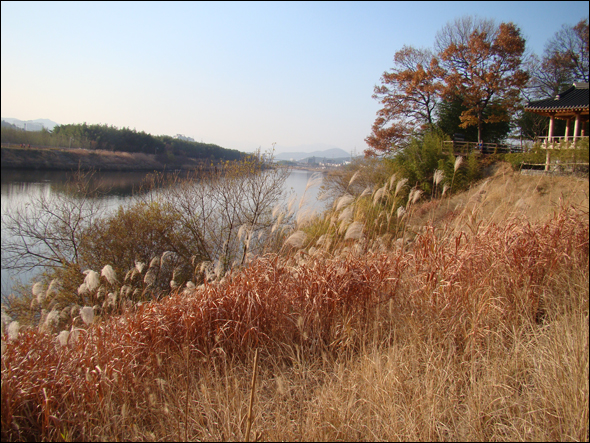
x=565, y=60
x=569, y=47
x=171, y=232
x=482, y=66
x=449, y=121
x=409, y=94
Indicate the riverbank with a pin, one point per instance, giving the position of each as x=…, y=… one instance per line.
x=460, y=334
x=63, y=159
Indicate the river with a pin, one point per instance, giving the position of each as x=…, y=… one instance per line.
x=19, y=187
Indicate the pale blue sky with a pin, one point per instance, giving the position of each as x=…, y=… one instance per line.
x=240, y=75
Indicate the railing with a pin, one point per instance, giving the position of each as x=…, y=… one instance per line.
x=556, y=168
x=465, y=148
x=560, y=142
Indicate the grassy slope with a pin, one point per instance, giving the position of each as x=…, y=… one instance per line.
x=477, y=331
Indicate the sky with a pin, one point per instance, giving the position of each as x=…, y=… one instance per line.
x=242, y=75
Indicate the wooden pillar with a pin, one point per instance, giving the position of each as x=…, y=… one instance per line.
x=576, y=127
x=551, y=127
x=567, y=129
x=549, y=144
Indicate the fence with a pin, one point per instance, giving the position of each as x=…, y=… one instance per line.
x=560, y=142
x=465, y=148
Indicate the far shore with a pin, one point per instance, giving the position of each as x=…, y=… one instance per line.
x=64, y=159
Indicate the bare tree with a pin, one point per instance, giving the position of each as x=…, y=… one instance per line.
x=154, y=243
x=564, y=61
x=48, y=231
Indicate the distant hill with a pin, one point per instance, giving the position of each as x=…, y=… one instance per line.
x=32, y=125
x=300, y=155
x=5, y=124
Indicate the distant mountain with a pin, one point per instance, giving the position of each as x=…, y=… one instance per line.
x=32, y=125
x=300, y=155
x=5, y=124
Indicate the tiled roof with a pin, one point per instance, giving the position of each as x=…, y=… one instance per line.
x=574, y=99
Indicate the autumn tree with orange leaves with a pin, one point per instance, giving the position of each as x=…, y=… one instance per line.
x=409, y=93
x=482, y=66
x=477, y=63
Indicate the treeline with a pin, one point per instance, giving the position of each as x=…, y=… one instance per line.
x=112, y=138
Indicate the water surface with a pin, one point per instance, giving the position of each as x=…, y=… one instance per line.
x=20, y=187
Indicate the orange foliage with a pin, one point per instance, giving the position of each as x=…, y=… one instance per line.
x=409, y=96
x=482, y=64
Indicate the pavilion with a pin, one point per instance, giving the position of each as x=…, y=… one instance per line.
x=569, y=105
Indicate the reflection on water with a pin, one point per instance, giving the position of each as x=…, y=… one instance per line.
x=21, y=187
x=112, y=183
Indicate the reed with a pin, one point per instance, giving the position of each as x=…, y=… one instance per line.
x=467, y=333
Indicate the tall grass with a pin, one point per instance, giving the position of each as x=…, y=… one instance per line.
x=466, y=334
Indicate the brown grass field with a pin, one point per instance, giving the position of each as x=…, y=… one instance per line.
x=477, y=329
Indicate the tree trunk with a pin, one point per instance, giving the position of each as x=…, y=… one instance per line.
x=479, y=125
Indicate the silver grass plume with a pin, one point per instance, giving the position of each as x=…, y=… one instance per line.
x=83, y=289
x=92, y=280
x=343, y=201
x=155, y=262
x=62, y=338
x=367, y=191
x=343, y=226
x=346, y=215
x=140, y=266
x=305, y=215
x=290, y=204
x=296, y=239
x=39, y=292
x=13, y=329
x=392, y=180
x=53, y=287
x=276, y=210
x=354, y=231
x=52, y=319
x=379, y=194
x=150, y=276
x=315, y=180
x=165, y=256
x=243, y=230
x=109, y=273
x=417, y=195
x=400, y=185
x=87, y=314
x=353, y=178
x=439, y=175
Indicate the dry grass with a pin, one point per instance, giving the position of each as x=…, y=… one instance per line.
x=505, y=194
x=478, y=331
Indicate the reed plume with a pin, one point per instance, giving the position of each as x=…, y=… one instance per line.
x=109, y=273
x=296, y=239
x=354, y=231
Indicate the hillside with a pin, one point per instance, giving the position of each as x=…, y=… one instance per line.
x=110, y=138
x=32, y=125
x=505, y=194
x=475, y=328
